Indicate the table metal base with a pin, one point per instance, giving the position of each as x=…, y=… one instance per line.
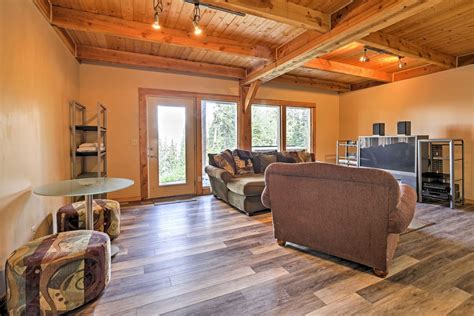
x=114, y=250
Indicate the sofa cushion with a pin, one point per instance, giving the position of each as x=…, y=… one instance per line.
x=248, y=185
x=298, y=155
x=261, y=161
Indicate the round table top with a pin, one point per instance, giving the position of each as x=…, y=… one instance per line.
x=85, y=186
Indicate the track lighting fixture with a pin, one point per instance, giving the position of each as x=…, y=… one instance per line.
x=158, y=8
x=364, y=58
x=197, y=18
x=401, y=64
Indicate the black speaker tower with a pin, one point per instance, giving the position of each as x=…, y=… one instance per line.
x=378, y=129
x=404, y=128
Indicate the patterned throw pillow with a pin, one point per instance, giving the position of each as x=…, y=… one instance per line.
x=262, y=161
x=298, y=156
x=225, y=160
x=243, y=162
x=243, y=166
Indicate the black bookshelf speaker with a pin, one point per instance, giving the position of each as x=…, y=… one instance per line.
x=378, y=129
x=404, y=128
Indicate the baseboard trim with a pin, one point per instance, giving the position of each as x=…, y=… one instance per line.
x=128, y=199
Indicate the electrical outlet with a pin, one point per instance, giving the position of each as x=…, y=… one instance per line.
x=33, y=229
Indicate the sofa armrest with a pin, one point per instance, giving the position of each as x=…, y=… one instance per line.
x=218, y=173
x=399, y=219
x=266, y=197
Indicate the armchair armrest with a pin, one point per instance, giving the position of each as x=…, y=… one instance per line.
x=399, y=219
x=218, y=173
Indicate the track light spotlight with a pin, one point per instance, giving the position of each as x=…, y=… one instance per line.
x=364, y=58
x=197, y=18
x=401, y=64
x=158, y=8
x=156, y=23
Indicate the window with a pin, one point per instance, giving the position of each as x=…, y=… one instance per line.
x=267, y=131
x=219, y=130
x=265, y=127
x=298, y=128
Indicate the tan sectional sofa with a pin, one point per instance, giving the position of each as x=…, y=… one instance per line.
x=241, y=191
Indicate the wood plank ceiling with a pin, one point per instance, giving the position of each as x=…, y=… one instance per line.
x=258, y=46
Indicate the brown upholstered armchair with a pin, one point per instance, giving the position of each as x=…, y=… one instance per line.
x=352, y=213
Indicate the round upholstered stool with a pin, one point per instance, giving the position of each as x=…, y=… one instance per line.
x=106, y=217
x=57, y=273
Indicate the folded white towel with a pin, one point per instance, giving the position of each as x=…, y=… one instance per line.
x=89, y=149
x=94, y=145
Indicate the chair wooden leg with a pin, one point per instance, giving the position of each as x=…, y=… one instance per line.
x=281, y=242
x=380, y=273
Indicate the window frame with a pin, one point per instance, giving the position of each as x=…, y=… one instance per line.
x=283, y=106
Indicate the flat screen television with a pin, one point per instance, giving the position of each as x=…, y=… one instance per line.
x=389, y=153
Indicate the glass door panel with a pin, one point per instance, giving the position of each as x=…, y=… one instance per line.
x=171, y=146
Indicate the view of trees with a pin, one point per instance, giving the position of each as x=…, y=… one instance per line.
x=219, y=130
x=172, y=158
x=221, y=126
x=298, y=128
x=265, y=127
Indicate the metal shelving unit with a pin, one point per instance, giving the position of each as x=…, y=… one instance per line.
x=433, y=173
x=347, y=153
x=81, y=133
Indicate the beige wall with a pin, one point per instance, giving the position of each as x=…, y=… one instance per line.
x=117, y=88
x=439, y=105
x=38, y=76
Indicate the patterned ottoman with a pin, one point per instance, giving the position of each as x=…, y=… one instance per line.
x=57, y=273
x=106, y=217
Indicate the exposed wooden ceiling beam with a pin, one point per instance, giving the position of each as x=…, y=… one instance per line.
x=342, y=68
x=401, y=47
x=156, y=62
x=417, y=72
x=364, y=18
x=465, y=60
x=90, y=22
x=312, y=83
x=279, y=10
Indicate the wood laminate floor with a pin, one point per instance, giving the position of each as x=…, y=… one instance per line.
x=203, y=257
